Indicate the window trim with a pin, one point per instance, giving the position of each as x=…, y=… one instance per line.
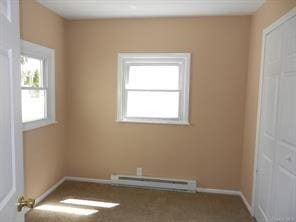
x=48, y=56
x=180, y=59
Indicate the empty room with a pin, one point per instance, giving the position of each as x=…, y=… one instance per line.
x=147, y=110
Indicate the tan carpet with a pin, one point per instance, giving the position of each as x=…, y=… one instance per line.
x=142, y=205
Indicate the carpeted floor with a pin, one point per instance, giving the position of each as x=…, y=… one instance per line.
x=141, y=205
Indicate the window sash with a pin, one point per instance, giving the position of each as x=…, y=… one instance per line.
x=126, y=89
x=34, y=88
x=154, y=90
x=182, y=60
x=47, y=56
x=128, y=64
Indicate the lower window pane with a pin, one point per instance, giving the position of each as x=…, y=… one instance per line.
x=152, y=104
x=33, y=105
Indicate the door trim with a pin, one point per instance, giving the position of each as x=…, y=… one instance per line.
x=265, y=32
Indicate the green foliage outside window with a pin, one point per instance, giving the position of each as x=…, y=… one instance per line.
x=29, y=78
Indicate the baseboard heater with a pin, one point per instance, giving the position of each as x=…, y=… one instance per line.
x=154, y=182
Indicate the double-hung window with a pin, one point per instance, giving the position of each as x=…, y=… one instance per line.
x=37, y=84
x=153, y=88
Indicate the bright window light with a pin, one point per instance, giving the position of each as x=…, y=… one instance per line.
x=66, y=209
x=90, y=203
x=153, y=77
x=33, y=105
x=153, y=104
x=33, y=92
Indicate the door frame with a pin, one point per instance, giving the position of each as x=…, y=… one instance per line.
x=265, y=32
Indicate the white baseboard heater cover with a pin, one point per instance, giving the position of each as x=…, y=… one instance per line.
x=154, y=182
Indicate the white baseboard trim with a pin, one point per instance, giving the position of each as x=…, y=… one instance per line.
x=248, y=206
x=85, y=179
x=228, y=192
x=217, y=191
x=106, y=181
x=49, y=191
x=46, y=193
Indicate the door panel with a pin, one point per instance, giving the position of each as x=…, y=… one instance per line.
x=290, y=47
x=269, y=106
x=268, y=146
x=7, y=160
x=286, y=157
x=284, y=208
x=272, y=61
x=286, y=151
x=287, y=117
x=263, y=207
x=11, y=156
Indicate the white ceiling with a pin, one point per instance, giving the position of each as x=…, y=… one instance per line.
x=90, y=9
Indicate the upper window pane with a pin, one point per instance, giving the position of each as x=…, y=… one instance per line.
x=165, y=77
x=31, y=72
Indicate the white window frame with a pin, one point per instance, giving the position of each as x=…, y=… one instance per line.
x=47, y=55
x=182, y=60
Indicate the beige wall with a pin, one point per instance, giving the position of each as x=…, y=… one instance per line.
x=263, y=17
x=209, y=150
x=44, y=147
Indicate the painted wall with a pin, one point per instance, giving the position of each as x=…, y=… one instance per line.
x=209, y=150
x=44, y=147
x=263, y=17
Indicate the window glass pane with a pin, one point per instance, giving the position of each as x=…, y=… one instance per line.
x=153, y=104
x=31, y=72
x=153, y=77
x=33, y=105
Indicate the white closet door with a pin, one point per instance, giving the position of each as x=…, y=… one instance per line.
x=268, y=133
x=285, y=173
x=276, y=176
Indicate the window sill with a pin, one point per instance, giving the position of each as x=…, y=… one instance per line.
x=37, y=124
x=162, y=122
